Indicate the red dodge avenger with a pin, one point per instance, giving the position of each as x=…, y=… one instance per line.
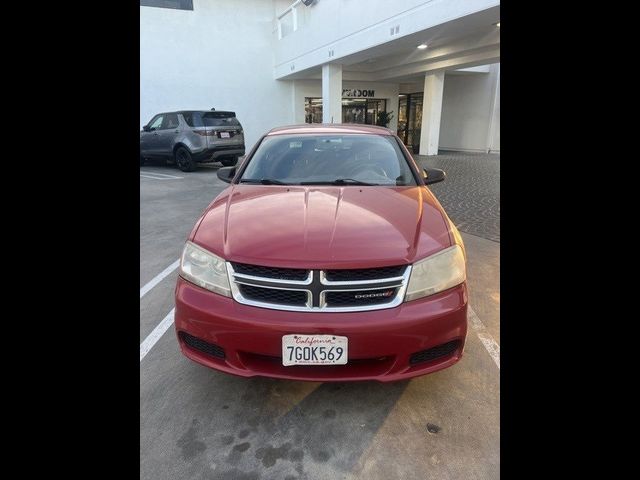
x=326, y=259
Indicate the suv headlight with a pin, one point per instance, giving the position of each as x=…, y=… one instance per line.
x=204, y=269
x=436, y=273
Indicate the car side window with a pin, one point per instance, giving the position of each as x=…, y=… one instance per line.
x=170, y=121
x=188, y=118
x=156, y=122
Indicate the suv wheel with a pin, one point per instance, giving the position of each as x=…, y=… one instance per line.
x=229, y=162
x=184, y=160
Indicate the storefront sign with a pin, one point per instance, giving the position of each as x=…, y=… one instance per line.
x=356, y=92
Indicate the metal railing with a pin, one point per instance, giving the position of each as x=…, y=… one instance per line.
x=291, y=9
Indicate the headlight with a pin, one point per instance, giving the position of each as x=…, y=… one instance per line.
x=436, y=273
x=204, y=269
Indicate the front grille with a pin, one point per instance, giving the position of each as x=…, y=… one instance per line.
x=274, y=296
x=303, y=290
x=435, y=352
x=365, y=274
x=199, y=344
x=278, y=273
x=356, y=298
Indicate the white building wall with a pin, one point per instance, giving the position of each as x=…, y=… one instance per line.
x=466, y=112
x=186, y=64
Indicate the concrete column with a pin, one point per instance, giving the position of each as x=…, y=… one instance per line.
x=392, y=106
x=431, y=113
x=493, y=135
x=331, y=93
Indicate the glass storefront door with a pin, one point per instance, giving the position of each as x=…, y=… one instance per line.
x=354, y=110
x=410, y=120
x=313, y=110
x=403, y=114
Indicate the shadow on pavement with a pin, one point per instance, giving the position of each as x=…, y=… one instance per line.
x=253, y=428
x=173, y=170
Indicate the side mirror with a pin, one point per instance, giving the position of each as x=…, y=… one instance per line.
x=146, y=128
x=226, y=174
x=433, y=175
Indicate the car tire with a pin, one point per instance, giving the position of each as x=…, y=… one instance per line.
x=184, y=160
x=229, y=162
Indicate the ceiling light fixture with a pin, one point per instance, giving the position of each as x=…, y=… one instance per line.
x=422, y=46
x=498, y=24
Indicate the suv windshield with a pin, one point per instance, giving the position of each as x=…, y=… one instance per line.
x=350, y=159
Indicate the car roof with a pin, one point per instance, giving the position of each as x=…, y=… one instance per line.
x=330, y=128
x=203, y=111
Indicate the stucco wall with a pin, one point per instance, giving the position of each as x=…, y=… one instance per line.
x=218, y=55
x=467, y=111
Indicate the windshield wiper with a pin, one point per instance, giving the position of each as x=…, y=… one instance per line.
x=340, y=181
x=263, y=181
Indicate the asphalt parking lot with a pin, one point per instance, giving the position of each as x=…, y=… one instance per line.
x=197, y=423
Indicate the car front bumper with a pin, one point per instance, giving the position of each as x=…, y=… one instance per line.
x=381, y=342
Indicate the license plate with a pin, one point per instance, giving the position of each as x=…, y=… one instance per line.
x=224, y=134
x=301, y=349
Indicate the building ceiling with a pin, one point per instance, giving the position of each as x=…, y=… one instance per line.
x=465, y=42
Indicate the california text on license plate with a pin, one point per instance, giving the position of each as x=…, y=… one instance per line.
x=299, y=349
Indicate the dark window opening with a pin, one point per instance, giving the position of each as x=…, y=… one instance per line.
x=175, y=4
x=220, y=119
x=211, y=119
x=170, y=121
x=188, y=117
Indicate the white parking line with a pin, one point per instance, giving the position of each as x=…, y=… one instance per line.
x=157, y=333
x=485, y=337
x=158, y=278
x=169, y=177
x=151, y=172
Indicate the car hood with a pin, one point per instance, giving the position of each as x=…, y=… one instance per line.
x=323, y=227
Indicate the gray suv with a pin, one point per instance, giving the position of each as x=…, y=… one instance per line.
x=191, y=137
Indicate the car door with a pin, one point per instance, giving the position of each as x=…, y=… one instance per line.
x=149, y=140
x=169, y=130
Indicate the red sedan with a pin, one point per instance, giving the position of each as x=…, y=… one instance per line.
x=326, y=259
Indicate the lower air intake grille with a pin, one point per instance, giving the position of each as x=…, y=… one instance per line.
x=272, y=295
x=198, y=344
x=435, y=352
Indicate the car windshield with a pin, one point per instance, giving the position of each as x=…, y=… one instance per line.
x=349, y=159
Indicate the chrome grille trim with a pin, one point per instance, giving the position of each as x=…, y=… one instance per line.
x=325, y=281
x=399, y=283
x=307, y=281
x=248, y=301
